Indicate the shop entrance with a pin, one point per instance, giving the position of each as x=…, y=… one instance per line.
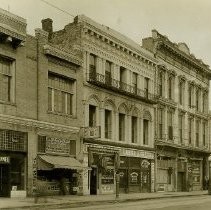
x=4, y=180
x=180, y=181
x=93, y=181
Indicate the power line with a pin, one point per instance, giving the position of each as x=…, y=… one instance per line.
x=58, y=8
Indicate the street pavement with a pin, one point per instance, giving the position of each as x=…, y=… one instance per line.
x=178, y=203
x=73, y=201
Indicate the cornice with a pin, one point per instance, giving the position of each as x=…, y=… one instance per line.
x=59, y=53
x=36, y=124
x=114, y=42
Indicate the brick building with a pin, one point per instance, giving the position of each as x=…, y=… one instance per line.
x=39, y=110
x=182, y=134
x=118, y=107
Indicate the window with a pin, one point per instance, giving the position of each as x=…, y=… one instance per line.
x=160, y=84
x=146, y=132
x=122, y=78
x=180, y=128
x=181, y=85
x=60, y=94
x=135, y=81
x=170, y=87
x=190, y=130
x=160, y=123
x=204, y=102
x=134, y=129
x=108, y=124
x=197, y=99
x=121, y=127
x=146, y=86
x=190, y=96
x=5, y=79
x=108, y=72
x=92, y=116
x=204, y=133
x=92, y=66
x=170, y=127
x=197, y=133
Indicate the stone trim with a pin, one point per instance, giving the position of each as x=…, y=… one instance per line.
x=53, y=51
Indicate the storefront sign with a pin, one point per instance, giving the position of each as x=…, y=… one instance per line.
x=4, y=159
x=137, y=153
x=57, y=145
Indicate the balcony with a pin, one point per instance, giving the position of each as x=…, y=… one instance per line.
x=121, y=87
x=90, y=132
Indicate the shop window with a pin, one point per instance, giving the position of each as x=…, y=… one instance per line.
x=121, y=127
x=61, y=92
x=17, y=172
x=108, y=124
x=145, y=132
x=134, y=129
x=5, y=79
x=92, y=116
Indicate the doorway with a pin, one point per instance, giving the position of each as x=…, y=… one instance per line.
x=180, y=181
x=93, y=181
x=4, y=180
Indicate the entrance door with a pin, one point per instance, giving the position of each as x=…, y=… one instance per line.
x=180, y=181
x=145, y=181
x=4, y=181
x=93, y=181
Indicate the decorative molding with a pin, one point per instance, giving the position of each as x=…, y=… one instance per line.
x=59, y=53
x=37, y=124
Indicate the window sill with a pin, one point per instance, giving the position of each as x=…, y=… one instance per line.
x=7, y=103
x=61, y=114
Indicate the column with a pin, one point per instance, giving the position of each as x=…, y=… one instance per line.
x=176, y=89
x=129, y=128
x=102, y=122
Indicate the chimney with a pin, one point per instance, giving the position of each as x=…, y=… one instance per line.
x=47, y=25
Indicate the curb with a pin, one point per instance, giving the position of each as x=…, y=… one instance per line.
x=95, y=202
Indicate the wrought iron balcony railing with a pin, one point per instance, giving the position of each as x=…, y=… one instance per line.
x=121, y=87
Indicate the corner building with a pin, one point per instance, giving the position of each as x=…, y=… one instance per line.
x=181, y=128
x=118, y=107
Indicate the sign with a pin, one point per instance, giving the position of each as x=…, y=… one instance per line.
x=5, y=159
x=134, y=177
x=145, y=164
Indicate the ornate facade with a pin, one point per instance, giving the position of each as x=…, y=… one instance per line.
x=118, y=107
x=181, y=134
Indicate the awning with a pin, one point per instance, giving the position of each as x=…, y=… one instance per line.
x=49, y=162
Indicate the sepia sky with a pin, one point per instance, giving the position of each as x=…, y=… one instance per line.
x=181, y=20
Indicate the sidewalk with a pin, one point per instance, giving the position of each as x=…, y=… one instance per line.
x=86, y=200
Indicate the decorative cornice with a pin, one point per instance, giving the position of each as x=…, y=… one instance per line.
x=115, y=40
x=12, y=25
x=36, y=124
x=59, y=53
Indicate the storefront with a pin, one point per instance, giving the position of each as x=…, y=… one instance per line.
x=135, y=167
x=56, y=170
x=13, y=162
